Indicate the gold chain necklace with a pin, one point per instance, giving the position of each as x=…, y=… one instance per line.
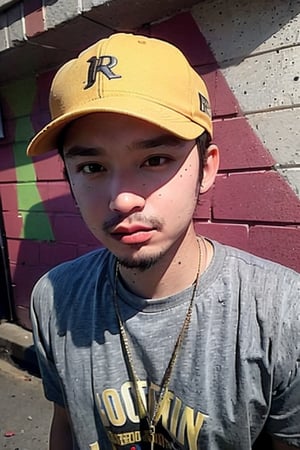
x=143, y=414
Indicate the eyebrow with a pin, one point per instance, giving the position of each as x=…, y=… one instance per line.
x=164, y=139
x=79, y=150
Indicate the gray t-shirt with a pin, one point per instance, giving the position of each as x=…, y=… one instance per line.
x=237, y=373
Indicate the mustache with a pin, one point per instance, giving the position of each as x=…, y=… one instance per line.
x=150, y=221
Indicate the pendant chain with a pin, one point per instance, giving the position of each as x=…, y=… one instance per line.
x=152, y=421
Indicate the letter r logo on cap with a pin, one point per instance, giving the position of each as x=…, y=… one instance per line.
x=103, y=64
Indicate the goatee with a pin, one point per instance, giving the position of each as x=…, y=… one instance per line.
x=141, y=264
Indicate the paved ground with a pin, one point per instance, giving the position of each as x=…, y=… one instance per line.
x=24, y=412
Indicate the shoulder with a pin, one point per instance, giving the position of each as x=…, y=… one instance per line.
x=77, y=267
x=262, y=290
x=253, y=268
x=265, y=296
x=71, y=276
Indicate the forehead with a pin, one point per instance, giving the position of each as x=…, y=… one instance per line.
x=105, y=132
x=113, y=128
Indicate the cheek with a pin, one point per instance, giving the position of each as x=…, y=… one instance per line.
x=87, y=196
x=188, y=184
x=181, y=193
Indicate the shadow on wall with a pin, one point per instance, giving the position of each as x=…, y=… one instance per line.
x=31, y=257
x=247, y=30
x=239, y=29
x=32, y=7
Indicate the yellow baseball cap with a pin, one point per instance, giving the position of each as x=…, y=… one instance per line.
x=128, y=74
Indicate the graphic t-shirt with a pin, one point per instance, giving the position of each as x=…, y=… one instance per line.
x=236, y=374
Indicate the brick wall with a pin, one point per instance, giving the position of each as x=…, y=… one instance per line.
x=42, y=224
x=254, y=203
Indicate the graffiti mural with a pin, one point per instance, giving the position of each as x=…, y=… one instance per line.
x=249, y=58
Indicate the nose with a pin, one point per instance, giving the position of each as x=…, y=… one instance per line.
x=126, y=202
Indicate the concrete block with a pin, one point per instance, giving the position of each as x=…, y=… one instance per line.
x=4, y=41
x=60, y=11
x=15, y=25
x=279, y=132
x=266, y=81
x=34, y=20
x=279, y=244
x=120, y=15
x=238, y=29
x=257, y=197
x=65, y=41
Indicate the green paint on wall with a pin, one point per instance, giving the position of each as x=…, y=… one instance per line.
x=29, y=201
x=23, y=129
x=20, y=96
x=24, y=167
x=36, y=225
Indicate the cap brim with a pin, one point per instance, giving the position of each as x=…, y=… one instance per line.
x=168, y=119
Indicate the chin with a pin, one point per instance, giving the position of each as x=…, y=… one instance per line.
x=140, y=263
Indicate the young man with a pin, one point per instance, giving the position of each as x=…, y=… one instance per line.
x=163, y=339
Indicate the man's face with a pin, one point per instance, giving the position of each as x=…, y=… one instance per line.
x=135, y=184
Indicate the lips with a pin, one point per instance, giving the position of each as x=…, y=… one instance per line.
x=133, y=234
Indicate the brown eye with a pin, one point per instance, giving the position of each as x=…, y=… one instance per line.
x=91, y=168
x=155, y=161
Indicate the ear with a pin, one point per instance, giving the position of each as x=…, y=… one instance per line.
x=210, y=168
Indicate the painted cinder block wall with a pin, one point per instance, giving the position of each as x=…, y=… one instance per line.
x=248, y=54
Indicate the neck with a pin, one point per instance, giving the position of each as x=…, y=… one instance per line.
x=176, y=270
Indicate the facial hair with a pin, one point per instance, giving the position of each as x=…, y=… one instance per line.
x=112, y=223
x=141, y=264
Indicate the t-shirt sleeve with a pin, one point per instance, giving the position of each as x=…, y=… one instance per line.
x=41, y=311
x=284, y=417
